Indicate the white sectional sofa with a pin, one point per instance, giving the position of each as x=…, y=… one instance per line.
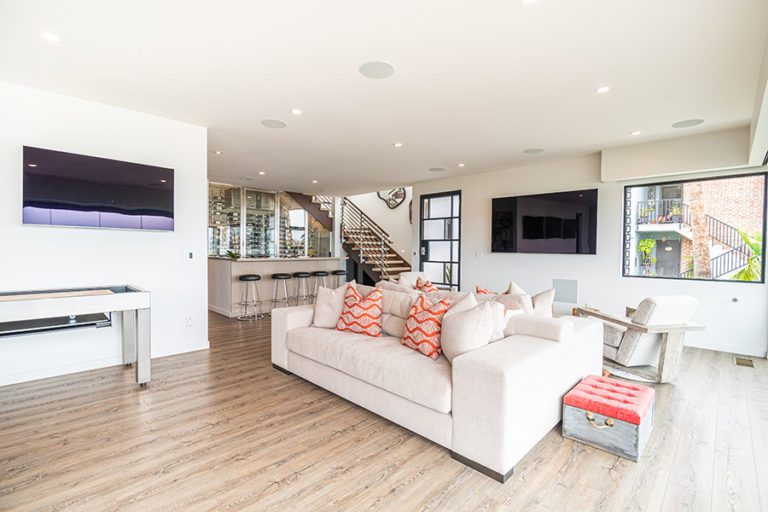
x=489, y=408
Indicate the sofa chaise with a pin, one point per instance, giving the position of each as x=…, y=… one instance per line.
x=489, y=407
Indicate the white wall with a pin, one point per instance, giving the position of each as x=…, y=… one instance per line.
x=740, y=327
x=395, y=222
x=35, y=257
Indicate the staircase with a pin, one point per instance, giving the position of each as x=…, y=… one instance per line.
x=670, y=211
x=364, y=241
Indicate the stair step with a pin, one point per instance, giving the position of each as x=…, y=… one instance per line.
x=393, y=269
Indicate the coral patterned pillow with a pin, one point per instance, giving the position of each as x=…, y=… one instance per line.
x=423, y=326
x=484, y=291
x=361, y=315
x=425, y=285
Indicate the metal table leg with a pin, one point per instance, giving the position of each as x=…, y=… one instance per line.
x=143, y=346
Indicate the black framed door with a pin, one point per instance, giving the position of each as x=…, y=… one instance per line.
x=440, y=238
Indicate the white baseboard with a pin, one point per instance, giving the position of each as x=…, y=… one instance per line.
x=82, y=366
x=55, y=371
x=745, y=350
x=220, y=311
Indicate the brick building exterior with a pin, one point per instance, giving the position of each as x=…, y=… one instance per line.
x=734, y=201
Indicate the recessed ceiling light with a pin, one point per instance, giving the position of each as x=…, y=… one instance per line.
x=50, y=37
x=635, y=133
x=533, y=151
x=461, y=164
x=603, y=89
x=296, y=111
x=274, y=123
x=262, y=173
x=687, y=123
x=437, y=169
x=314, y=181
x=219, y=152
x=31, y=165
x=163, y=181
x=377, y=70
x=398, y=144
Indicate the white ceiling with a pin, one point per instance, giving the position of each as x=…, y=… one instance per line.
x=476, y=82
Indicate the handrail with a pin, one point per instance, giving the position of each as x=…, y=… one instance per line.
x=723, y=264
x=368, y=219
x=355, y=224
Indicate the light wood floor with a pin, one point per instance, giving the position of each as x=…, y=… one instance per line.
x=221, y=430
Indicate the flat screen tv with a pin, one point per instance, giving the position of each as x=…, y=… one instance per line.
x=561, y=223
x=65, y=189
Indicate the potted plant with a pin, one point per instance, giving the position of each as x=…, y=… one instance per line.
x=676, y=213
x=645, y=247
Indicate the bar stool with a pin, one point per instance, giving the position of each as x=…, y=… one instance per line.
x=320, y=280
x=302, y=288
x=341, y=277
x=251, y=298
x=276, y=299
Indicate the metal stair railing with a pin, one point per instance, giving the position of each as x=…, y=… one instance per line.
x=725, y=263
x=366, y=234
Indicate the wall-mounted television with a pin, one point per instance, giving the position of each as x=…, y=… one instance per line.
x=66, y=189
x=560, y=222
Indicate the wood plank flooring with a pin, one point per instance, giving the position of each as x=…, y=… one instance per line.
x=222, y=430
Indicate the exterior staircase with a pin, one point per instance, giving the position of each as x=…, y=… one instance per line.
x=733, y=254
x=365, y=242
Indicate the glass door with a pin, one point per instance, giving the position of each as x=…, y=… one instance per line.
x=440, y=238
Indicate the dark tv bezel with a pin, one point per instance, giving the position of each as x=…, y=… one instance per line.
x=111, y=228
x=597, y=195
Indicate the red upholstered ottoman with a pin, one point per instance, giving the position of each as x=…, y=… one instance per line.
x=610, y=414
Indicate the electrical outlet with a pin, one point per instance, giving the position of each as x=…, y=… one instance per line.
x=188, y=321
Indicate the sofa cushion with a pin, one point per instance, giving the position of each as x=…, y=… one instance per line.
x=422, y=328
x=467, y=330
x=392, y=325
x=392, y=286
x=329, y=304
x=382, y=362
x=361, y=315
x=425, y=285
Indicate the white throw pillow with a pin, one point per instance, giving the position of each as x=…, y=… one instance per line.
x=328, y=305
x=408, y=279
x=514, y=289
x=542, y=303
x=555, y=329
x=522, y=303
x=397, y=303
x=389, y=285
x=466, y=330
x=446, y=294
x=465, y=303
x=393, y=325
x=500, y=316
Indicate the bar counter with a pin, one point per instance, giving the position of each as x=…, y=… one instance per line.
x=225, y=289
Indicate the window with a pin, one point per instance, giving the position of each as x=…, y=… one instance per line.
x=223, y=220
x=259, y=224
x=440, y=239
x=710, y=229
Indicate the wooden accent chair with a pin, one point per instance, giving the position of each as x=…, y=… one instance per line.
x=648, y=342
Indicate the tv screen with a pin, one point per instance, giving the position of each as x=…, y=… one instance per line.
x=561, y=223
x=65, y=189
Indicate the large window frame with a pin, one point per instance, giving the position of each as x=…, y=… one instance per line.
x=627, y=225
x=454, y=254
x=243, y=224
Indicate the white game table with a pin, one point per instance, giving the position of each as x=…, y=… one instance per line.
x=27, y=312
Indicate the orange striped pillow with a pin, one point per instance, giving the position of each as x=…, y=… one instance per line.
x=423, y=326
x=425, y=285
x=484, y=291
x=361, y=315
